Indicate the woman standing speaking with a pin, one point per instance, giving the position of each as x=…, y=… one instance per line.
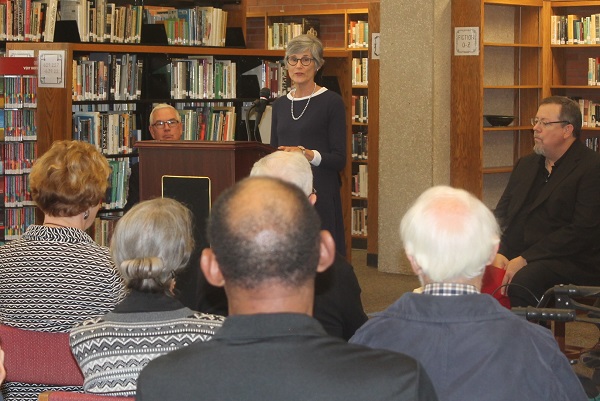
x=312, y=119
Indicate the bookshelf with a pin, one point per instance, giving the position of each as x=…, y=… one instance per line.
x=56, y=105
x=570, y=63
x=18, y=146
x=335, y=26
x=504, y=78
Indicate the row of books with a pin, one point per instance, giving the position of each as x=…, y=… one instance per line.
x=360, y=146
x=359, y=220
x=360, y=71
x=104, y=107
x=272, y=75
x=209, y=122
x=15, y=222
x=593, y=75
x=196, y=26
x=106, y=76
x=103, y=228
x=26, y=20
x=112, y=132
x=590, y=113
x=17, y=91
x=358, y=34
x=360, y=109
x=573, y=29
x=360, y=181
x=593, y=143
x=18, y=125
x=17, y=157
x=116, y=193
x=16, y=191
x=280, y=33
x=203, y=77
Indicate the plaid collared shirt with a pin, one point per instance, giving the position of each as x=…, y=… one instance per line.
x=449, y=289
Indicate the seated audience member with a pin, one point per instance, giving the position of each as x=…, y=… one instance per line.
x=266, y=247
x=55, y=275
x=549, y=212
x=338, y=306
x=151, y=243
x=471, y=346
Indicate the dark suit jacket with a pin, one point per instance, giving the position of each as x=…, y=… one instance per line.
x=281, y=356
x=563, y=222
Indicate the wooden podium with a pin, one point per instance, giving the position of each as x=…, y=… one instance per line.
x=223, y=162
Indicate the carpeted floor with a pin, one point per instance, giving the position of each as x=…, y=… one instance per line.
x=379, y=290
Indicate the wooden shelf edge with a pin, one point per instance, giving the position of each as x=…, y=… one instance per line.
x=499, y=44
x=577, y=46
x=529, y=3
x=589, y=87
x=509, y=128
x=497, y=170
x=512, y=87
x=571, y=3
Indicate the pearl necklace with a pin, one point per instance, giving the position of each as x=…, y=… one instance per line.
x=292, y=106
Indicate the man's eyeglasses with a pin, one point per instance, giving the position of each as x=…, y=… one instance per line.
x=161, y=124
x=536, y=121
x=305, y=61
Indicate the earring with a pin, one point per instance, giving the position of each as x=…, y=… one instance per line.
x=86, y=214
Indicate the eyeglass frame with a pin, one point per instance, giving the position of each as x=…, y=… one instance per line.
x=289, y=58
x=161, y=124
x=534, y=121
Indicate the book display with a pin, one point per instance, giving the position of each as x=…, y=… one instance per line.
x=497, y=52
x=18, y=146
x=358, y=45
x=572, y=46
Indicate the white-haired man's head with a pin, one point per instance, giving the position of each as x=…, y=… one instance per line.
x=449, y=235
x=291, y=167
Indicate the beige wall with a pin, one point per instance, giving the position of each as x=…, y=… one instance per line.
x=414, y=142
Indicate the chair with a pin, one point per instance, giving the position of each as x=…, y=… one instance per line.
x=45, y=358
x=72, y=396
x=39, y=357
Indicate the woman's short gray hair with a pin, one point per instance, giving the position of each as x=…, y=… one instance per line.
x=151, y=243
x=305, y=42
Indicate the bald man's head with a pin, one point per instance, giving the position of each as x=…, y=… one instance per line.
x=264, y=230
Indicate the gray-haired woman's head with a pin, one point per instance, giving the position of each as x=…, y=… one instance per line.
x=151, y=243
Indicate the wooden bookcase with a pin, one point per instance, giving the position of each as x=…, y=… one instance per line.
x=18, y=148
x=503, y=78
x=565, y=66
x=55, y=105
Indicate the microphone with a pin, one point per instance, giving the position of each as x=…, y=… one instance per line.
x=263, y=99
x=261, y=105
x=557, y=315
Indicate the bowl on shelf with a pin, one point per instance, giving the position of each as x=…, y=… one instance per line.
x=499, y=121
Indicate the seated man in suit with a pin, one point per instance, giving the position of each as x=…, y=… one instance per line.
x=338, y=306
x=550, y=210
x=266, y=247
x=471, y=346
